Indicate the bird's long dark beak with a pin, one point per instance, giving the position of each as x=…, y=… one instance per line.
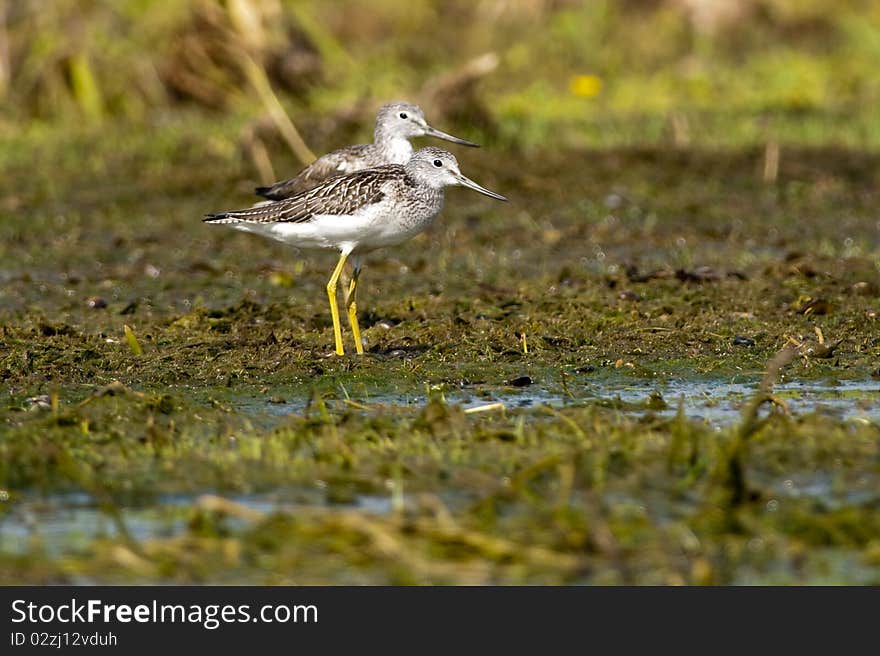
x=467, y=182
x=434, y=132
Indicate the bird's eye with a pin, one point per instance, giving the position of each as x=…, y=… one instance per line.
x=403, y=115
x=438, y=163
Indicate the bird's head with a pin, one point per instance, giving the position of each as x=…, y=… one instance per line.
x=402, y=119
x=438, y=168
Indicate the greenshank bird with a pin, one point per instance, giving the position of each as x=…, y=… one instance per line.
x=357, y=213
x=396, y=124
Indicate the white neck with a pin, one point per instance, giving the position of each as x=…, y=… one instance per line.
x=397, y=150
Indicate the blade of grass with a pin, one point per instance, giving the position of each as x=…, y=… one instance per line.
x=132, y=340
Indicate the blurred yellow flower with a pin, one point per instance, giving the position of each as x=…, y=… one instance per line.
x=586, y=86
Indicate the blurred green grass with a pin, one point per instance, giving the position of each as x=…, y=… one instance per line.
x=560, y=72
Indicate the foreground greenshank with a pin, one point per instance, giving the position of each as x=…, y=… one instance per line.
x=396, y=124
x=358, y=213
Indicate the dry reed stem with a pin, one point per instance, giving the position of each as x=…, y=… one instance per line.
x=258, y=79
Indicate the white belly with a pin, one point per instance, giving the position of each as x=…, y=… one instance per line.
x=361, y=232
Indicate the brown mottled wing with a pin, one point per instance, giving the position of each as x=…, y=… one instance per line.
x=344, y=194
x=338, y=162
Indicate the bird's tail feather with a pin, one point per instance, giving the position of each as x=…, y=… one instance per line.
x=222, y=217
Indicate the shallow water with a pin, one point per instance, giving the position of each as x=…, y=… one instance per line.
x=62, y=523
x=720, y=403
x=715, y=402
x=70, y=522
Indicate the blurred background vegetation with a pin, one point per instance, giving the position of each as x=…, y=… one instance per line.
x=510, y=72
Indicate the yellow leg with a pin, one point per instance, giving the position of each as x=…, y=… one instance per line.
x=334, y=309
x=351, y=306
